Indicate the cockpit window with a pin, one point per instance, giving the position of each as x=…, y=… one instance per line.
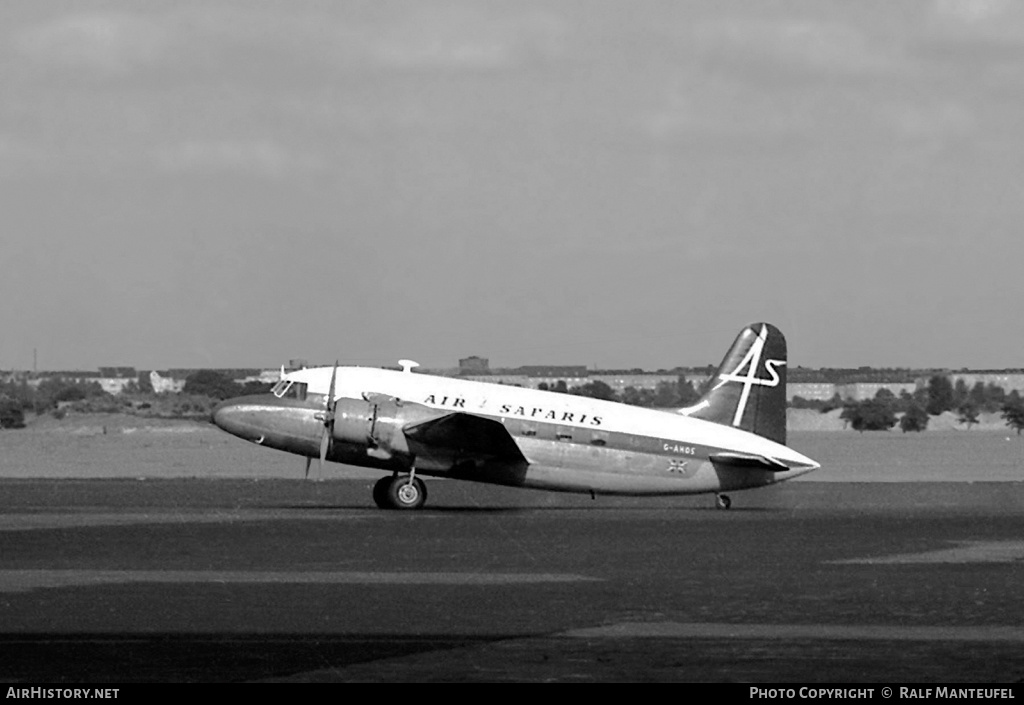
x=281, y=387
x=287, y=389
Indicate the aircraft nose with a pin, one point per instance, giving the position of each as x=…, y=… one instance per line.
x=229, y=416
x=245, y=417
x=259, y=417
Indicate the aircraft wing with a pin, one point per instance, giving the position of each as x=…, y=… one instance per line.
x=467, y=435
x=753, y=461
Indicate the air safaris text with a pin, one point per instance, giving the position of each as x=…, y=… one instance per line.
x=549, y=415
x=528, y=412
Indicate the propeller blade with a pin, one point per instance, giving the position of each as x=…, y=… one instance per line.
x=331, y=404
x=325, y=442
x=308, y=461
x=328, y=416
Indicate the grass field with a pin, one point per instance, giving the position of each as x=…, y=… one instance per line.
x=101, y=446
x=146, y=450
x=934, y=456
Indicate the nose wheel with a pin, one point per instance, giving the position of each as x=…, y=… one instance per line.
x=722, y=501
x=400, y=492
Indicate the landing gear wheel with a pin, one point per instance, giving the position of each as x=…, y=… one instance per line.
x=722, y=501
x=400, y=493
x=380, y=492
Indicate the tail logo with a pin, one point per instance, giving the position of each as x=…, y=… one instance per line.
x=750, y=362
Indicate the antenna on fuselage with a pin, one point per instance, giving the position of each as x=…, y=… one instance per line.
x=407, y=365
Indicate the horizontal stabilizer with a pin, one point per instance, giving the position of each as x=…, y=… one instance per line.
x=467, y=435
x=753, y=461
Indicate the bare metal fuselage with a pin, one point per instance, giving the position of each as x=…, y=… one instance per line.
x=567, y=443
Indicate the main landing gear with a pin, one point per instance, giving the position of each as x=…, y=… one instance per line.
x=400, y=492
x=722, y=501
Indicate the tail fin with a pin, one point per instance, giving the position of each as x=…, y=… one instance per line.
x=741, y=394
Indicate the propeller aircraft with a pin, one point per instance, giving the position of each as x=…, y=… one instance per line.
x=411, y=425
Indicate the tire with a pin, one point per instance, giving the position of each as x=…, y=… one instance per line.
x=722, y=501
x=402, y=494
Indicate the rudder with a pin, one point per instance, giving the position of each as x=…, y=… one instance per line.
x=749, y=389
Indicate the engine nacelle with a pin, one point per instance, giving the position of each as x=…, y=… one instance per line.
x=377, y=422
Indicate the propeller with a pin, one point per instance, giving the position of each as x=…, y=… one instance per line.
x=330, y=404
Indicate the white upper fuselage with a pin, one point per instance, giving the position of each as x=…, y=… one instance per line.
x=675, y=432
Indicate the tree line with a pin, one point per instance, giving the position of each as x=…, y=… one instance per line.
x=202, y=390
x=911, y=411
x=939, y=396
x=666, y=394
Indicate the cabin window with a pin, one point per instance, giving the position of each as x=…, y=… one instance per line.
x=599, y=438
x=528, y=429
x=563, y=434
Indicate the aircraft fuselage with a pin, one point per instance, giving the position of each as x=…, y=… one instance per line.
x=568, y=443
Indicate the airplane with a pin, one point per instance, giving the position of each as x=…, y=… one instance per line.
x=411, y=425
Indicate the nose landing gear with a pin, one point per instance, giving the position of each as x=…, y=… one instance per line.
x=722, y=501
x=400, y=492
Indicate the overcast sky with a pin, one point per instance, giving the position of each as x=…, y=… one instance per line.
x=620, y=184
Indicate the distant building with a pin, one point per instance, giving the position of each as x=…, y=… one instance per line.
x=506, y=379
x=114, y=380
x=811, y=391
x=165, y=384
x=552, y=371
x=119, y=372
x=619, y=382
x=114, y=385
x=810, y=384
x=69, y=376
x=1009, y=380
x=859, y=391
x=474, y=365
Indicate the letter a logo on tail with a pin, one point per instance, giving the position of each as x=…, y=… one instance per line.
x=758, y=404
x=751, y=361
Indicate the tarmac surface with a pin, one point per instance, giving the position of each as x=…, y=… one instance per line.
x=224, y=580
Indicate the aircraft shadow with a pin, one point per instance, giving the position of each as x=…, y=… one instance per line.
x=426, y=510
x=484, y=509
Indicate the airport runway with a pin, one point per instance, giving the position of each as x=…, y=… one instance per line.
x=279, y=580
